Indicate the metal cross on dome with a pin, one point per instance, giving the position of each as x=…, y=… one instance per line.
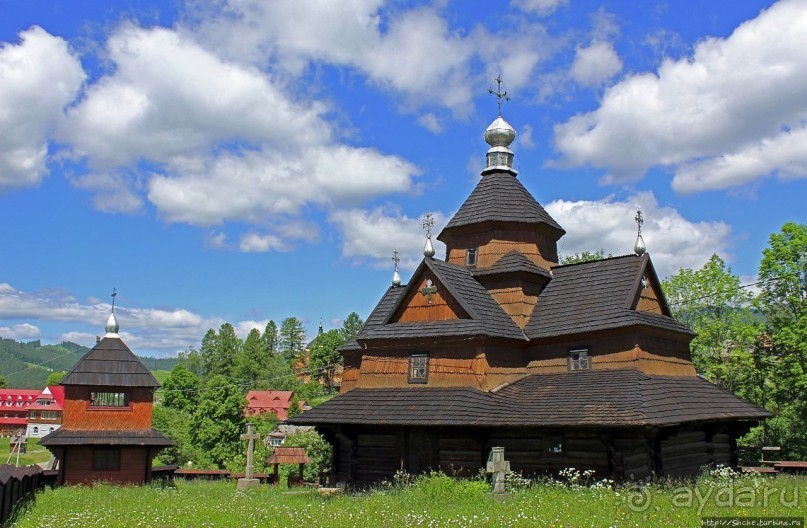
x=639, y=221
x=429, y=290
x=498, y=93
x=114, y=294
x=396, y=259
x=427, y=224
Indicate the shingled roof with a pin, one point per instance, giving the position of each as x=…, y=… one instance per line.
x=486, y=317
x=594, y=296
x=139, y=437
x=110, y=363
x=598, y=398
x=500, y=197
x=512, y=263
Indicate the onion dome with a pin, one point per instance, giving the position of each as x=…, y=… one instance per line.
x=499, y=135
x=112, y=325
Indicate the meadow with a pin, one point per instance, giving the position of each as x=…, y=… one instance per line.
x=432, y=501
x=34, y=455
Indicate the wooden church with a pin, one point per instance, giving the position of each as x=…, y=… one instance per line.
x=106, y=432
x=576, y=365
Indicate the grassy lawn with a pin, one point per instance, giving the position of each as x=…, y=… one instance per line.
x=34, y=455
x=432, y=501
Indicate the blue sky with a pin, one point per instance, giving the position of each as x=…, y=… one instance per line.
x=242, y=160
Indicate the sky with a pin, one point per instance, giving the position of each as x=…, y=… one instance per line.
x=240, y=160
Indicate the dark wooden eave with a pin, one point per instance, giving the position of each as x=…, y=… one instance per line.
x=138, y=437
x=599, y=398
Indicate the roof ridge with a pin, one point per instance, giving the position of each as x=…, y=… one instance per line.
x=615, y=257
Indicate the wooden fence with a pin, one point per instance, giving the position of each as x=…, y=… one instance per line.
x=17, y=484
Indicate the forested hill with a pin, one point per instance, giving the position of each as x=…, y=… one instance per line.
x=28, y=365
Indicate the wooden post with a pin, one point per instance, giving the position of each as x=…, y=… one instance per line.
x=277, y=474
x=250, y=481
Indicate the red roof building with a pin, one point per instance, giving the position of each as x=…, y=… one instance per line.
x=45, y=414
x=263, y=402
x=14, y=404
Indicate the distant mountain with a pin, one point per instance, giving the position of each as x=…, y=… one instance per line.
x=27, y=365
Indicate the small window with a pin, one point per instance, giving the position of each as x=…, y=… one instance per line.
x=36, y=430
x=418, y=368
x=554, y=445
x=106, y=460
x=108, y=399
x=579, y=359
x=470, y=257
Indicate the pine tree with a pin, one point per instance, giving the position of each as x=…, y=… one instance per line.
x=292, y=336
x=351, y=327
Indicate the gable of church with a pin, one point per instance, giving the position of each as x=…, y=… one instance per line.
x=428, y=299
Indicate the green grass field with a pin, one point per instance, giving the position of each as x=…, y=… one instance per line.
x=34, y=455
x=432, y=501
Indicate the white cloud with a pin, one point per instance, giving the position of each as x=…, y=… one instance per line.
x=159, y=329
x=169, y=98
x=595, y=64
x=430, y=122
x=254, y=186
x=255, y=243
x=371, y=236
x=212, y=127
x=216, y=240
x=20, y=331
x=417, y=55
x=672, y=240
x=731, y=107
x=38, y=78
x=539, y=7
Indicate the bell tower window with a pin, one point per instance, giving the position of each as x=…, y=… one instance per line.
x=470, y=257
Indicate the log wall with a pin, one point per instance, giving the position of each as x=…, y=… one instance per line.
x=135, y=466
x=494, y=244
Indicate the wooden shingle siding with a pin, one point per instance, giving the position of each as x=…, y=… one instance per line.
x=494, y=245
x=443, y=306
x=79, y=415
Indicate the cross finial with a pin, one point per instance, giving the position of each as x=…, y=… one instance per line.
x=498, y=93
x=639, y=246
x=396, y=277
x=114, y=294
x=427, y=224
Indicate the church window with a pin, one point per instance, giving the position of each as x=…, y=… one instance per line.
x=579, y=359
x=418, y=368
x=470, y=257
x=108, y=399
x=554, y=445
x=106, y=459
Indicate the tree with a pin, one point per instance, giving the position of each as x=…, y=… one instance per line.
x=351, y=327
x=270, y=337
x=3, y=382
x=318, y=450
x=783, y=301
x=54, y=378
x=219, y=351
x=192, y=361
x=218, y=422
x=292, y=335
x=253, y=360
x=585, y=256
x=181, y=390
x=712, y=303
x=325, y=357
